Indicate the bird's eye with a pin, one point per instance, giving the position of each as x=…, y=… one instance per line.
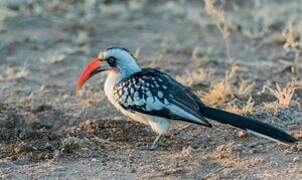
x=111, y=61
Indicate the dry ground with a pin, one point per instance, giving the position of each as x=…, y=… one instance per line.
x=47, y=131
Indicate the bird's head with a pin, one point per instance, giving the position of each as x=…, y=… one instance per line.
x=114, y=61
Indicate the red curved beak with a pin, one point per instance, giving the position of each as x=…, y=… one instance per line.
x=93, y=68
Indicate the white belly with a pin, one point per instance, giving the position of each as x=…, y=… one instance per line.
x=158, y=124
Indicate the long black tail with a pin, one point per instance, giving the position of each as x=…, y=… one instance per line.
x=250, y=125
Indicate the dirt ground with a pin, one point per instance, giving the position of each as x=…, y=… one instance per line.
x=47, y=131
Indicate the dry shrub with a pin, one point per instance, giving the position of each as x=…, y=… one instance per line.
x=283, y=95
x=14, y=73
x=220, y=91
x=219, y=18
x=244, y=110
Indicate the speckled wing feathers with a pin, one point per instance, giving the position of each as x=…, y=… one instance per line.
x=155, y=93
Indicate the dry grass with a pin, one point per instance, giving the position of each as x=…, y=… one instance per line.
x=244, y=110
x=14, y=73
x=136, y=5
x=137, y=53
x=2, y=21
x=196, y=53
x=245, y=89
x=292, y=43
x=283, y=95
x=199, y=76
x=61, y=55
x=156, y=61
x=290, y=39
x=82, y=38
x=4, y=14
x=219, y=18
x=57, y=58
x=220, y=91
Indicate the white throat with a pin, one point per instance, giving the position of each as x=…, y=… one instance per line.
x=113, y=77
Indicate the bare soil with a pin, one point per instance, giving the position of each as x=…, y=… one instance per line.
x=47, y=131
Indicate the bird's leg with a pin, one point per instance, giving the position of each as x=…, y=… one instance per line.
x=155, y=142
x=152, y=146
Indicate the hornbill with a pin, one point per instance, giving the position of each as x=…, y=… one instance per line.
x=154, y=98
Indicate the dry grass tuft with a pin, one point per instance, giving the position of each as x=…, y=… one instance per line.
x=283, y=95
x=219, y=18
x=136, y=5
x=61, y=55
x=196, y=53
x=57, y=58
x=14, y=73
x=156, y=61
x=291, y=39
x=196, y=77
x=220, y=92
x=137, y=53
x=82, y=38
x=292, y=44
x=245, y=89
x=244, y=110
x=2, y=21
x=4, y=14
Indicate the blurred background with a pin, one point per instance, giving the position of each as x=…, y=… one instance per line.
x=239, y=55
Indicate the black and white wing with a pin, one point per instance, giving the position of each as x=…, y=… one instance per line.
x=155, y=93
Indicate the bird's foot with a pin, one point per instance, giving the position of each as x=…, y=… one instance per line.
x=155, y=143
x=153, y=146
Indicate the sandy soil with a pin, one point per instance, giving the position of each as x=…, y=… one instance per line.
x=47, y=131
